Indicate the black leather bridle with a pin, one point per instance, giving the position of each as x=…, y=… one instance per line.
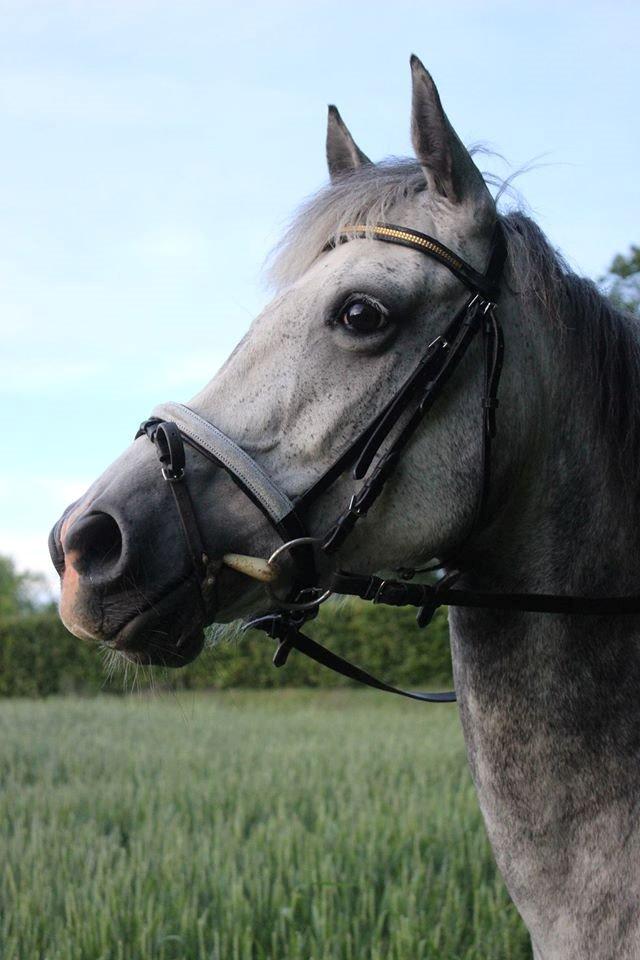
x=173, y=425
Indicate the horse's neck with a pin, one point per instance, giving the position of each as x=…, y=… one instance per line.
x=550, y=705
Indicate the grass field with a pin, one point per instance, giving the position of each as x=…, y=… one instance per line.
x=306, y=825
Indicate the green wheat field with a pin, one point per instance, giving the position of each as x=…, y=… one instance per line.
x=308, y=825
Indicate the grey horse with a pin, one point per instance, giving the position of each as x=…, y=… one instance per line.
x=549, y=703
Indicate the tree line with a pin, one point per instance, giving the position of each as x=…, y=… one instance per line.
x=39, y=657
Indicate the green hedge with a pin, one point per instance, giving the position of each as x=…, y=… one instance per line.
x=39, y=657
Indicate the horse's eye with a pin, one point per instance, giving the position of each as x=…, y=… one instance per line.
x=362, y=316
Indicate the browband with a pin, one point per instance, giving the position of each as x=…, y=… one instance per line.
x=483, y=283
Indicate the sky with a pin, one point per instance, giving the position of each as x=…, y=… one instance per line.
x=153, y=152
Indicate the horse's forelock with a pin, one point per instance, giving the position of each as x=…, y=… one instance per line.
x=364, y=196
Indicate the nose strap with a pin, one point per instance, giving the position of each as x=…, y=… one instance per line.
x=170, y=426
x=213, y=444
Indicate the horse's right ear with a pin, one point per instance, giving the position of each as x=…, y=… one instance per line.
x=343, y=153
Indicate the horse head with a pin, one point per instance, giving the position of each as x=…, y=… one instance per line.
x=350, y=321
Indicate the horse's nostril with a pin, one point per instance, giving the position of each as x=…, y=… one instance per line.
x=93, y=544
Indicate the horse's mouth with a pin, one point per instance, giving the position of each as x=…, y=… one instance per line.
x=169, y=633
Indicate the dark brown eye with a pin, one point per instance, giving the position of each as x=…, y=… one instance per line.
x=362, y=316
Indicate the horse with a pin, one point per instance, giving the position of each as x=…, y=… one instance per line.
x=549, y=701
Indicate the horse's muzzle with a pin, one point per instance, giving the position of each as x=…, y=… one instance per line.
x=104, y=596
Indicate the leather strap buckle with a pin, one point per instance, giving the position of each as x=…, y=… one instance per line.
x=392, y=592
x=172, y=476
x=170, y=446
x=378, y=596
x=438, y=343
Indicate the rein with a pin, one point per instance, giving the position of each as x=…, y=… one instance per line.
x=172, y=425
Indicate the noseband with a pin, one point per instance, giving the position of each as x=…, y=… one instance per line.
x=172, y=425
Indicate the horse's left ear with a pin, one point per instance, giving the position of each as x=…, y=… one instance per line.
x=343, y=153
x=446, y=162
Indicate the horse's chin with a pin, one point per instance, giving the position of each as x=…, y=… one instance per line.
x=170, y=633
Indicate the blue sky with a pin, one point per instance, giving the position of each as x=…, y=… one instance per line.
x=153, y=151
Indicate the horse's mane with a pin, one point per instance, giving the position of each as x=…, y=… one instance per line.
x=602, y=342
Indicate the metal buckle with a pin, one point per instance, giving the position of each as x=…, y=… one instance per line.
x=426, y=395
x=439, y=342
x=475, y=305
x=172, y=476
x=397, y=599
x=378, y=594
x=474, y=300
x=481, y=303
x=296, y=604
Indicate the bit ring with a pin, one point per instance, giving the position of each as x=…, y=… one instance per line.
x=293, y=605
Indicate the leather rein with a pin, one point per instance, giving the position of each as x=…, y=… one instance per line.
x=172, y=425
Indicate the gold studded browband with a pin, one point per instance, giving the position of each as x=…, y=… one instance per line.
x=391, y=233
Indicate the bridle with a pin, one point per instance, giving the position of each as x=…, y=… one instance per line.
x=172, y=425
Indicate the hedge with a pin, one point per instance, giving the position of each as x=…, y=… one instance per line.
x=38, y=657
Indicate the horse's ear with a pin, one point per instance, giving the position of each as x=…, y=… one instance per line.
x=447, y=165
x=343, y=153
